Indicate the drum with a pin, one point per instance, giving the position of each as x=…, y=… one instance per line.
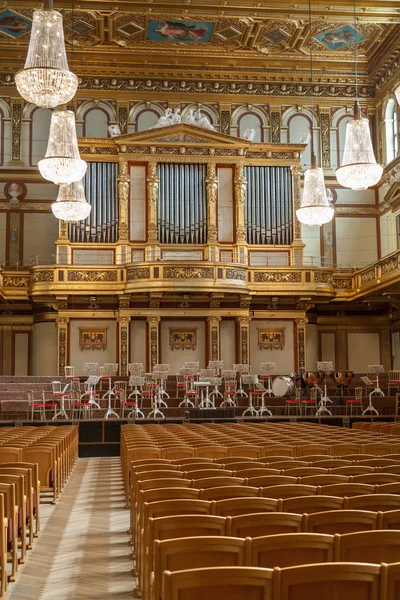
x=283, y=386
x=313, y=378
x=342, y=378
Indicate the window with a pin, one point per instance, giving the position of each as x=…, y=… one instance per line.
x=391, y=130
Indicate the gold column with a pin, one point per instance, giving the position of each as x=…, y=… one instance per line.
x=214, y=338
x=297, y=244
x=123, y=114
x=240, y=197
x=62, y=336
x=16, y=128
x=212, y=195
x=225, y=118
x=152, y=194
x=153, y=340
x=301, y=342
x=325, y=138
x=123, y=341
x=244, y=339
x=123, y=199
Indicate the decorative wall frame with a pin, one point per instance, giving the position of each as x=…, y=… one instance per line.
x=271, y=339
x=93, y=338
x=183, y=339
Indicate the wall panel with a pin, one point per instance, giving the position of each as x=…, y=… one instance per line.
x=44, y=349
x=225, y=205
x=21, y=354
x=138, y=342
x=78, y=357
x=228, y=342
x=138, y=208
x=363, y=350
x=311, y=346
x=328, y=347
x=176, y=358
x=40, y=235
x=284, y=358
x=356, y=241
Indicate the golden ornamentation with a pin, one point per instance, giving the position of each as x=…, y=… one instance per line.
x=301, y=342
x=92, y=276
x=16, y=119
x=343, y=284
x=123, y=119
x=325, y=139
x=42, y=276
x=367, y=276
x=182, y=339
x=244, y=323
x=188, y=273
x=135, y=274
x=123, y=198
x=15, y=282
x=123, y=344
x=277, y=277
x=323, y=277
x=296, y=171
x=271, y=339
x=62, y=324
x=389, y=264
x=214, y=323
x=92, y=338
x=152, y=193
x=153, y=339
x=238, y=274
x=275, y=120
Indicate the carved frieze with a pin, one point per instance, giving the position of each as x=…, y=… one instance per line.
x=92, y=276
x=325, y=140
x=188, y=273
x=15, y=281
x=343, y=284
x=277, y=277
x=16, y=128
x=135, y=274
x=367, y=276
x=42, y=276
x=389, y=264
x=239, y=274
x=323, y=277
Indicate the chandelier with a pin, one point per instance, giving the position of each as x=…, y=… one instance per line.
x=315, y=209
x=359, y=169
x=71, y=205
x=46, y=80
x=62, y=163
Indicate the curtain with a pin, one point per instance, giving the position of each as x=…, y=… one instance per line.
x=269, y=216
x=182, y=204
x=101, y=188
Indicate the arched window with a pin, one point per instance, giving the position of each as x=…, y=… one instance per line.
x=391, y=130
x=251, y=121
x=146, y=119
x=95, y=123
x=40, y=123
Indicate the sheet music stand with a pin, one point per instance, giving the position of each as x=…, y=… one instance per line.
x=156, y=401
x=160, y=372
x=266, y=369
x=327, y=367
x=376, y=391
x=110, y=369
x=217, y=365
x=189, y=375
x=242, y=369
x=90, y=385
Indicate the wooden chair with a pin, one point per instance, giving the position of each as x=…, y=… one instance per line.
x=347, y=489
x=377, y=478
x=196, y=462
x=260, y=524
x=393, y=381
x=28, y=492
x=287, y=463
x=193, y=553
x=311, y=504
x=33, y=468
x=268, y=480
x=328, y=479
x=7, y=490
x=290, y=549
x=243, y=506
x=228, y=491
x=224, y=583
x=380, y=461
x=393, y=581
x=329, y=581
x=378, y=449
x=46, y=459
x=288, y=491
x=177, y=452
x=341, y=449
x=21, y=503
x=369, y=546
x=390, y=519
x=270, y=460
x=212, y=452
x=391, y=469
x=3, y=548
x=341, y=521
x=245, y=450
x=305, y=471
x=307, y=449
x=374, y=502
x=208, y=473
x=208, y=482
x=277, y=450
x=255, y=472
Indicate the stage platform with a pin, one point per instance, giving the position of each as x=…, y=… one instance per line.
x=101, y=437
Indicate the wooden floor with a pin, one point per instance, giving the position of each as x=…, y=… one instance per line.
x=82, y=552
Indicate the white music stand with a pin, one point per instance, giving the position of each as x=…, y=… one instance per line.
x=217, y=365
x=376, y=391
x=205, y=401
x=90, y=385
x=136, y=381
x=187, y=372
x=229, y=374
x=325, y=366
x=89, y=368
x=242, y=369
x=110, y=369
x=266, y=369
x=156, y=401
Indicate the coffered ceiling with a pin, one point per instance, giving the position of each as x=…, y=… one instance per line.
x=228, y=37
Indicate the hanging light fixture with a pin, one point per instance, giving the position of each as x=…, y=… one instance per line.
x=359, y=169
x=71, y=205
x=315, y=209
x=46, y=80
x=62, y=163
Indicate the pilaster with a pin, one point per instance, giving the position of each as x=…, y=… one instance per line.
x=214, y=351
x=244, y=339
x=152, y=195
x=240, y=198
x=301, y=342
x=123, y=199
x=16, y=129
x=153, y=340
x=123, y=345
x=62, y=344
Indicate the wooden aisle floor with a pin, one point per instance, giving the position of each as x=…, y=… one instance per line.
x=83, y=549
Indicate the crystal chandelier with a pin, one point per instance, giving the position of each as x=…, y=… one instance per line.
x=62, y=163
x=359, y=168
x=315, y=209
x=71, y=205
x=46, y=80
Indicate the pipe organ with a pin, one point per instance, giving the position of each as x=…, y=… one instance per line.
x=100, y=183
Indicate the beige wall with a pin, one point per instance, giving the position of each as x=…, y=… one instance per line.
x=138, y=342
x=311, y=346
x=328, y=347
x=21, y=353
x=311, y=236
x=356, y=241
x=388, y=233
x=228, y=342
x=44, y=349
x=78, y=357
x=284, y=359
x=40, y=235
x=3, y=222
x=396, y=350
x=176, y=358
x=363, y=350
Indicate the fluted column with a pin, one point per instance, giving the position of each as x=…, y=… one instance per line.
x=244, y=339
x=123, y=344
x=212, y=195
x=214, y=351
x=153, y=340
x=123, y=199
x=301, y=342
x=297, y=244
x=240, y=200
x=62, y=344
x=152, y=194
